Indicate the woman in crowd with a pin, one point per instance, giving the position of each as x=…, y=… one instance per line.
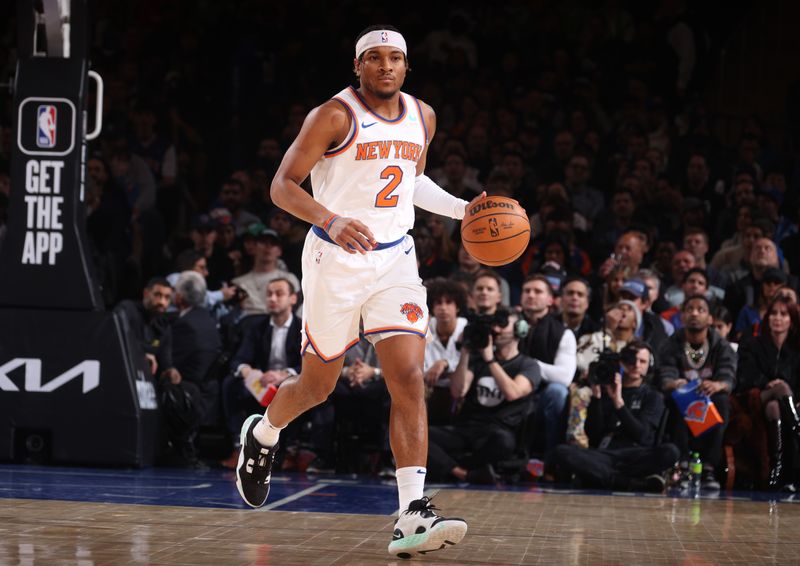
x=770, y=365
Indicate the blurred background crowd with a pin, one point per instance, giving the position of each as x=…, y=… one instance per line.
x=654, y=145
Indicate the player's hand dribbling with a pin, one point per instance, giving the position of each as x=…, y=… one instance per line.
x=352, y=235
x=473, y=201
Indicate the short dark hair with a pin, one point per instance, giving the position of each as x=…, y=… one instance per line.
x=292, y=290
x=488, y=273
x=703, y=298
x=186, y=259
x=234, y=181
x=543, y=279
x=579, y=279
x=693, y=270
x=158, y=280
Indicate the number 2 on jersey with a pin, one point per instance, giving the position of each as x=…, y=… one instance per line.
x=385, y=198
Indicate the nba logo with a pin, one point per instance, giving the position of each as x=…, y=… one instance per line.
x=46, y=126
x=384, y=37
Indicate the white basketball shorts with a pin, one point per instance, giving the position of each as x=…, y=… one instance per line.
x=381, y=287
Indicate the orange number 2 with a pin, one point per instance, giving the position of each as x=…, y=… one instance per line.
x=385, y=198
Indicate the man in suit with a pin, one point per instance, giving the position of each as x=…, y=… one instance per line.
x=269, y=352
x=190, y=393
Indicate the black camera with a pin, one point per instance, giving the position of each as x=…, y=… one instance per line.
x=479, y=327
x=601, y=371
x=238, y=296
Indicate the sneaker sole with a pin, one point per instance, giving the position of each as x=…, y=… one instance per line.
x=447, y=534
x=242, y=436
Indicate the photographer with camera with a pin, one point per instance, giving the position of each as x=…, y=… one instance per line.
x=619, y=327
x=496, y=383
x=622, y=423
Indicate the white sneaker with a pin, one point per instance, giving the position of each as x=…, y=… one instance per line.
x=420, y=530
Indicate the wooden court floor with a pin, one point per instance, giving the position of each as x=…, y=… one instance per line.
x=504, y=528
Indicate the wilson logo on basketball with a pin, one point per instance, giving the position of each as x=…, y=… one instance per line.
x=490, y=204
x=412, y=311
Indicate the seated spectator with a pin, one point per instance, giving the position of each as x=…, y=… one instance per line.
x=657, y=303
x=204, y=236
x=268, y=250
x=196, y=346
x=653, y=329
x=232, y=196
x=682, y=262
x=735, y=260
x=361, y=406
x=486, y=291
x=428, y=261
x=269, y=352
x=148, y=324
x=722, y=321
x=622, y=422
x=749, y=320
x=446, y=300
x=763, y=256
x=695, y=282
x=576, y=294
x=695, y=241
x=770, y=364
x=192, y=260
x=553, y=347
x=629, y=251
x=585, y=199
x=696, y=352
x=496, y=383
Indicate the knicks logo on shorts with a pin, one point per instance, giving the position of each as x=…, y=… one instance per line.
x=412, y=311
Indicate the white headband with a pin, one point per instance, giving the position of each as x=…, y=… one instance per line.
x=378, y=38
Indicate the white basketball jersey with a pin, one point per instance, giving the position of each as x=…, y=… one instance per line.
x=370, y=176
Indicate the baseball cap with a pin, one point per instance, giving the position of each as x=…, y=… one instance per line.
x=774, y=275
x=222, y=216
x=635, y=287
x=254, y=230
x=204, y=222
x=268, y=233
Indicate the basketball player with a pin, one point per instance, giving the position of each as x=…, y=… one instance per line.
x=365, y=150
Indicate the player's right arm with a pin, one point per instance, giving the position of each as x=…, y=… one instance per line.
x=326, y=126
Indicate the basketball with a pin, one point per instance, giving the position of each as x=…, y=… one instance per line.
x=495, y=230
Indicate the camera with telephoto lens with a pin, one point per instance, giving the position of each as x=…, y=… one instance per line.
x=601, y=371
x=479, y=327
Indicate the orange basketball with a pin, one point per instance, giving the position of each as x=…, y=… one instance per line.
x=495, y=230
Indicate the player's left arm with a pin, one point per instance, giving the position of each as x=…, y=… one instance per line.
x=427, y=194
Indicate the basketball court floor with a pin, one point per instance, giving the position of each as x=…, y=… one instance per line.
x=88, y=517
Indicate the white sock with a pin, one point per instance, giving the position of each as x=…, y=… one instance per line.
x=410, y=484
x=265, y=432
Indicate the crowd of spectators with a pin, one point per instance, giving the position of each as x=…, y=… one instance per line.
x=647, y=228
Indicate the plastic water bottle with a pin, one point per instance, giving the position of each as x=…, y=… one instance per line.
x=695, y=471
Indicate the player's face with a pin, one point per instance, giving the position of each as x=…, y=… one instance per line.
x=382, y=71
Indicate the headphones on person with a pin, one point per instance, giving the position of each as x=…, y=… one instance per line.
x=521, y=328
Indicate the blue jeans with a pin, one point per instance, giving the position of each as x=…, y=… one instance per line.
x=551, y=404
